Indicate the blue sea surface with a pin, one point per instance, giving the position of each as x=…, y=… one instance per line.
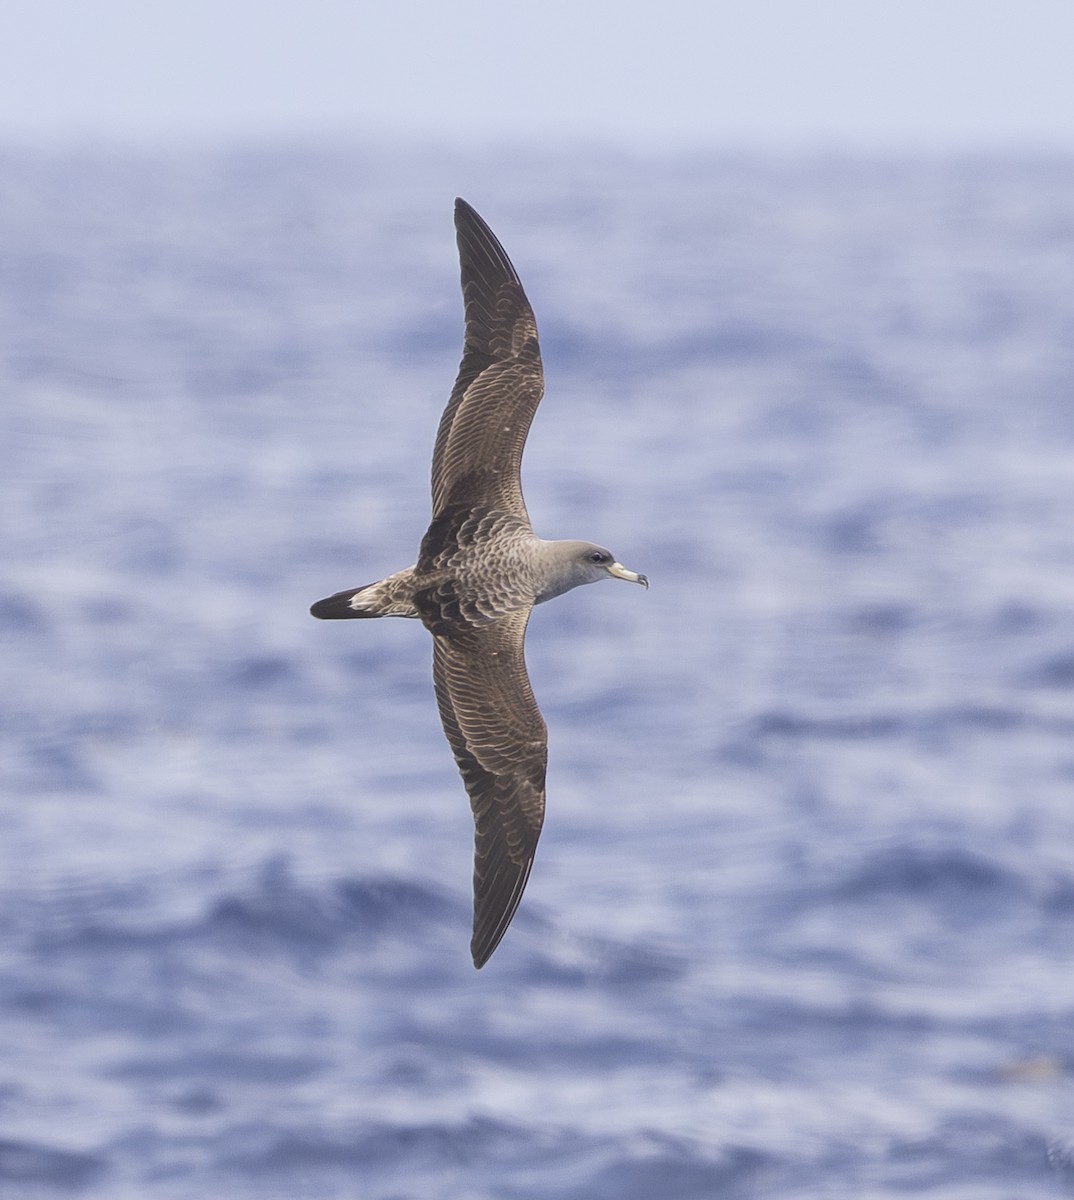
x=801, y=923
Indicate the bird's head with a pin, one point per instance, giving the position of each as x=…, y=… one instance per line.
x=584, y=562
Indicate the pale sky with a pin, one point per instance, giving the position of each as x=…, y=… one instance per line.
x=871, y=74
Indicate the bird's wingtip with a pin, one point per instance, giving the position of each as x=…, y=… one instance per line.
x=492, y=916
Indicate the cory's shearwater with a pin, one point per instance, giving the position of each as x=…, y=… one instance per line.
x=480, y=571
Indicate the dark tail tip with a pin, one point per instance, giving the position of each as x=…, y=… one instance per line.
x=338, y=607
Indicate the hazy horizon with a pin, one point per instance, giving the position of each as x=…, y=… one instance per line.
x=837, y=75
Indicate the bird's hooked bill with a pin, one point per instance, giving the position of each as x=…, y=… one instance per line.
x=620, y=572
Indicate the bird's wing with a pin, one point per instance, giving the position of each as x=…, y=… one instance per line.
x=500, y=743
x=479, y=443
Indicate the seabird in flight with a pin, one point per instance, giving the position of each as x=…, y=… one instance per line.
x=480, y=571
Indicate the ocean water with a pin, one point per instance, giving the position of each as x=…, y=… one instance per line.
x=802, y=919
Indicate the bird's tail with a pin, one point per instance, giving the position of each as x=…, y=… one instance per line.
x=391, y=597
x=341, y=606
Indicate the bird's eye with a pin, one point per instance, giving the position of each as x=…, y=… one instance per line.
x=598, y=556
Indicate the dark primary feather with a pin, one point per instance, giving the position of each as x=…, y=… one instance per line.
x=500, y=743
x=482, y=433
